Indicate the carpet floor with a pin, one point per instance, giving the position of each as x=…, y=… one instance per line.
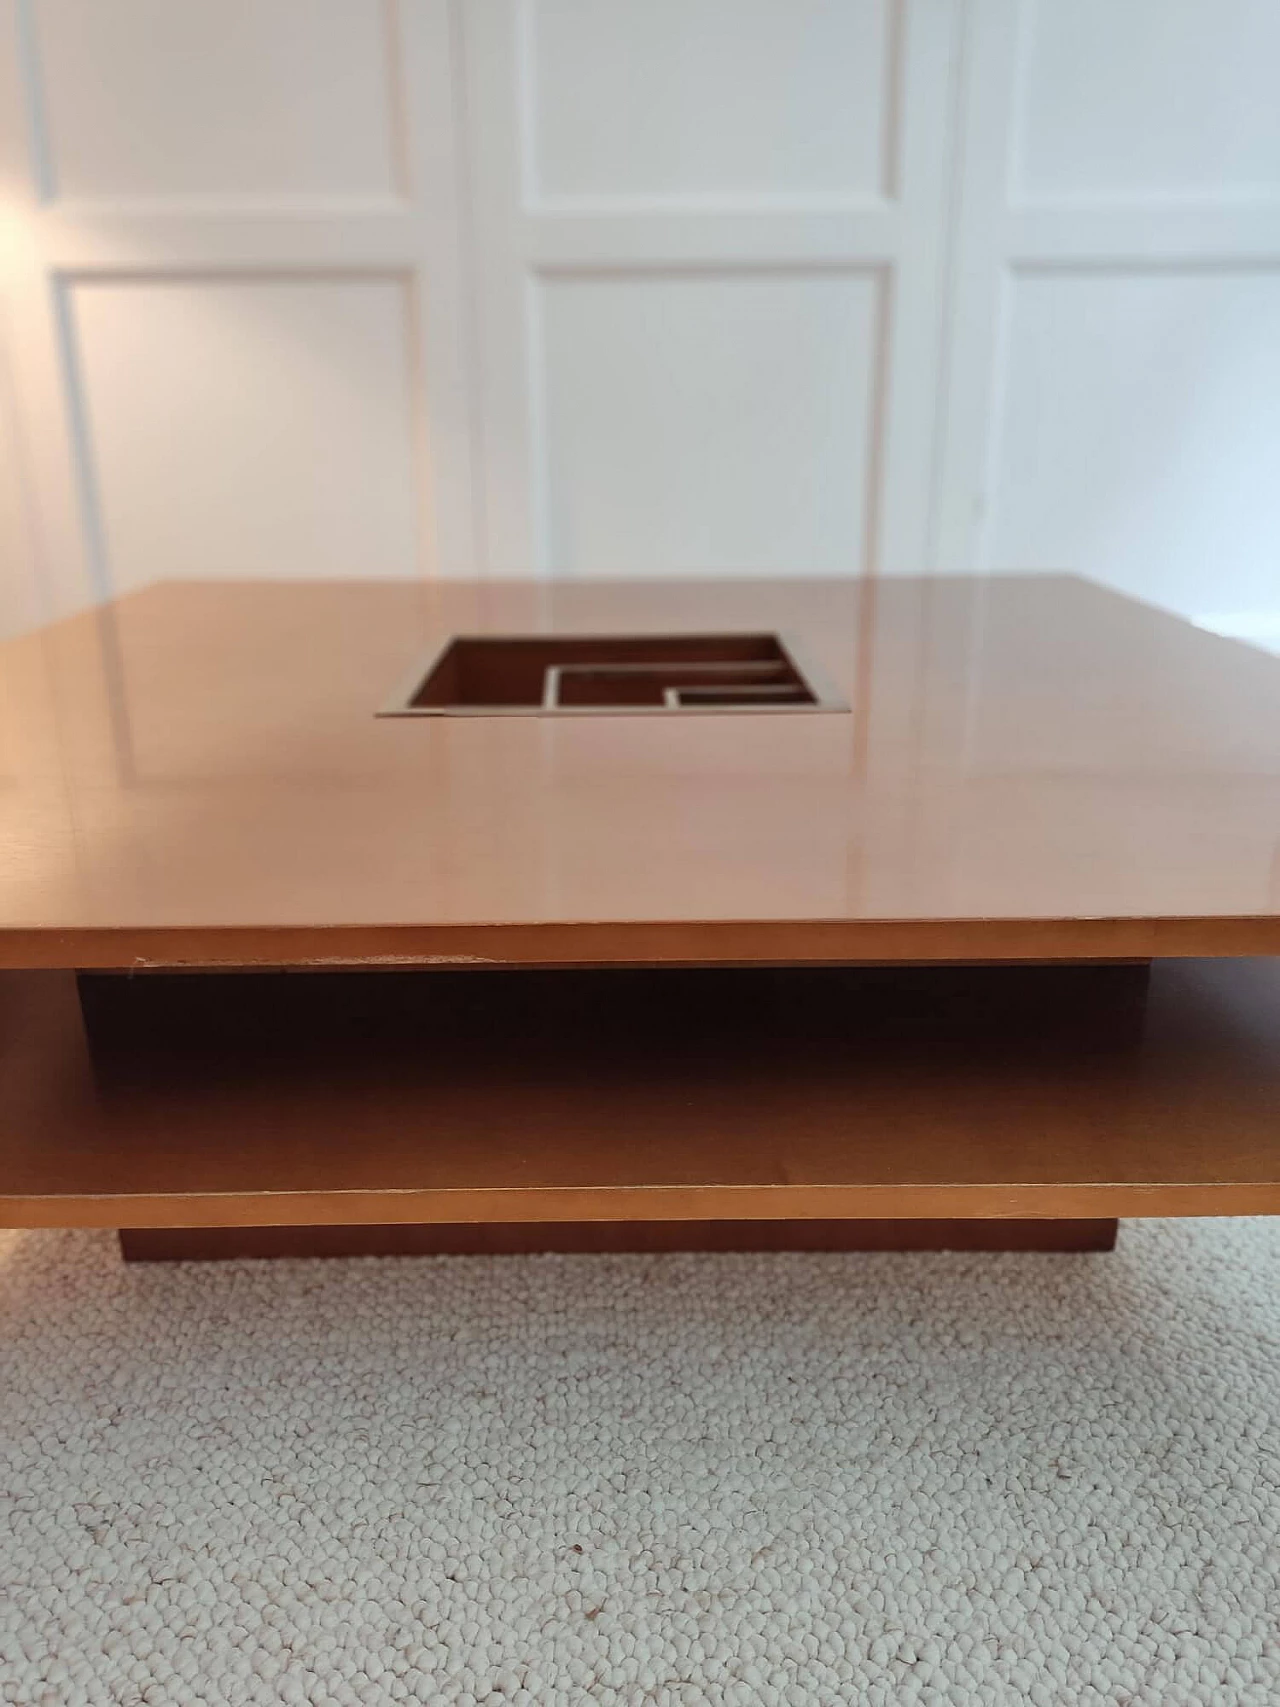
x=671, y=1479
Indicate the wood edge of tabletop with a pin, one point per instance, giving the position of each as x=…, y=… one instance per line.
x=727, y=942
x=993, y=1201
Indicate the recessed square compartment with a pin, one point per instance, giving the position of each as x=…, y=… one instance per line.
x=535, y=675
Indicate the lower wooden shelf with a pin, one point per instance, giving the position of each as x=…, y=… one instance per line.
x=516, y=1097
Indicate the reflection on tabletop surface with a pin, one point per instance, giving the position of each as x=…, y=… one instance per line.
x=1013, y=747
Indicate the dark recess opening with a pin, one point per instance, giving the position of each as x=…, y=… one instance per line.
x=663, y=673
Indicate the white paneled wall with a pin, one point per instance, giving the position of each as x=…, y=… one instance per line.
x=1147, y=99
x=233, y=267
x=1156, y=460
x=597, y=287
x=254, y=426
x=657, y=452
x=1112, y=402
x=710, y=240
x=237, y=100
x=679, y=101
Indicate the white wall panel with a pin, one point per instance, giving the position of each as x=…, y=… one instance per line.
x=1141, y=98
x=708, y=423
x=1110, y=395
x=681, y=99
x=1139, y=435
x=247, y=428
x=152, y=98
x=237, y=336
x=687, y=217
x=593, y=286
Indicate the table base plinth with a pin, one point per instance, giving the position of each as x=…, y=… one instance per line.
x=506, y=1238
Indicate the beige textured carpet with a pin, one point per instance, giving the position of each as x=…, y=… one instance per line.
x=795, y=1479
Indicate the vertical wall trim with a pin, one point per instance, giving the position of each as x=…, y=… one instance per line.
x=956, y=130
x=397, y=100
x=39, y=142
x=469, y=265
x=77, y=416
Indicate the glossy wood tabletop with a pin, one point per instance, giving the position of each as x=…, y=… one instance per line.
x=1027, y=767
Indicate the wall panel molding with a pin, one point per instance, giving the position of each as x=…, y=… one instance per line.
x=643, y=229
x=965, y=154
x=407, y=227
x=1145, y=206
x=663, y=101
x=226, y=105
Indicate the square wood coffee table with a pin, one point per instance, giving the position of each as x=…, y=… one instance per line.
x=583, y=914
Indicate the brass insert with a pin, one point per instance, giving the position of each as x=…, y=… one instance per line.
x=576, y=674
